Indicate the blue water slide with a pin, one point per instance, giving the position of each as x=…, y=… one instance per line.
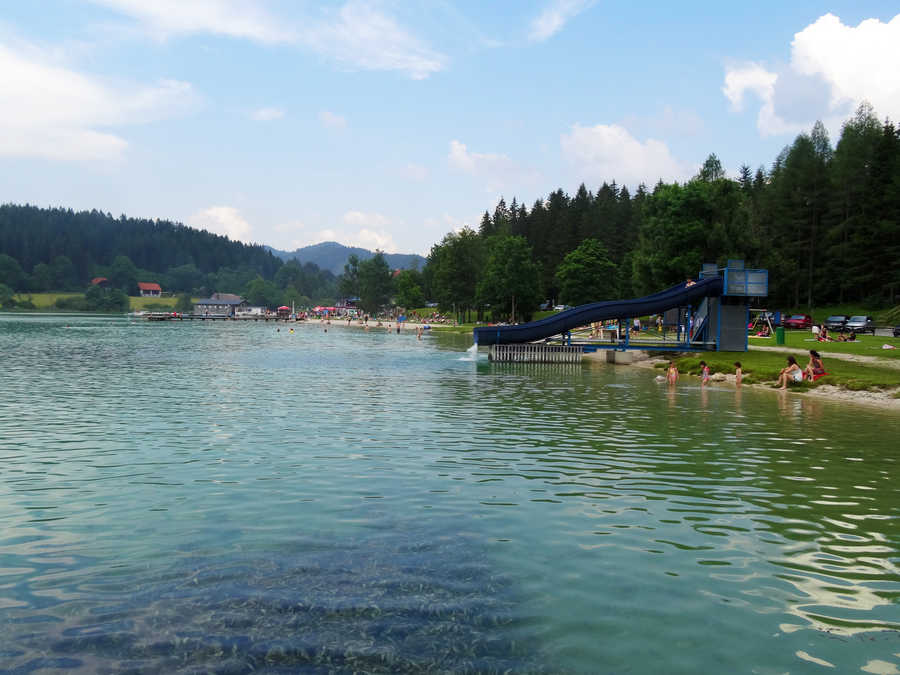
x=557, y=324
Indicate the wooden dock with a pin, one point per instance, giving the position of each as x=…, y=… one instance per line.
x=536, y=353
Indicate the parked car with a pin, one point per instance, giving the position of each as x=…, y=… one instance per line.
x=860, y=324
x=798, y=321
x=836, y=322
x=896, y=331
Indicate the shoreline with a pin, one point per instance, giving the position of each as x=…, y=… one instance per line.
x=883, y=400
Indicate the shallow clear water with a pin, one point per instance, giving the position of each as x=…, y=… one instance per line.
x=184, y=497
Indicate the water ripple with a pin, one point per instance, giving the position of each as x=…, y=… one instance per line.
x=181, y=497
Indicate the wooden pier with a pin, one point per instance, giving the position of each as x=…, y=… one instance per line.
x=535, y=353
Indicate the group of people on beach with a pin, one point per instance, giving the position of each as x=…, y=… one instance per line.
x=792, y=372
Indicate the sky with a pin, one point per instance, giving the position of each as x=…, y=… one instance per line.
x=387, y=124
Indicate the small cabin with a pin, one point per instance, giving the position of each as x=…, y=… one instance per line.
x=102, y=282
x=219, y=307
x=149, y=290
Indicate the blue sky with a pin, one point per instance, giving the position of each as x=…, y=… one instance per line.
x=387, y=124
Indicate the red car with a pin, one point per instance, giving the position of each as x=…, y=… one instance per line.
x=798, y=321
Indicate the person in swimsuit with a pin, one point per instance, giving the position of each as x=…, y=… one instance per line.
x=814, y=367
x=791, y=373
x=672, y=373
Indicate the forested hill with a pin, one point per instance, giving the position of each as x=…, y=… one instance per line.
x=62, y=250
x=330, y=255
x=92, y=239
x=823, y=219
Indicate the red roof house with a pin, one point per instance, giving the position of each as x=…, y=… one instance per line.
x=149, y=289
x=102, y=282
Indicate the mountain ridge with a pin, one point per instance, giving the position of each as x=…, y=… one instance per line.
x=332, y=256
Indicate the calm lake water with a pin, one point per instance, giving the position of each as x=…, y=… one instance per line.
x=229, y=497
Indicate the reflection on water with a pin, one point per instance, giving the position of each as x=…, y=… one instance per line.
x=177, y=497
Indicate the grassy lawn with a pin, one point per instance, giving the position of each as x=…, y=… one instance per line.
x=866, y=345
x=765, y=366
x=149, y=304
x=47, y=301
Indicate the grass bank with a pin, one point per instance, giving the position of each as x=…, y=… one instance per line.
x=47, y=301
x=763, y=367
x=865, y=345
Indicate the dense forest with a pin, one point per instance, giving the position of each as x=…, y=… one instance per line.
x=62, y=250
x=824, y=220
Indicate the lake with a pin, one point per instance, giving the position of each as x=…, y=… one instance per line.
x=235, y=497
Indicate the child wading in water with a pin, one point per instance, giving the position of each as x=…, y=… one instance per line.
x=704, y=373
x=672, y=373
x=738, y=372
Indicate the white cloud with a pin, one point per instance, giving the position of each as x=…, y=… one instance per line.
x=234, y=18
x=372, y=240
x=332, y=120
x=499, y=172
x=859, y=63
x=372, y=233
x=753, y=78
x=225, y=220
x=362, y=37
x=357, y=35
x=608, y=152
x=833, y=68
x=267, y=114
x=49, y=110
x=554, y=16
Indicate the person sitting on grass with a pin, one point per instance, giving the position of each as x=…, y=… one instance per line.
x=791, y=373
x=814, y=369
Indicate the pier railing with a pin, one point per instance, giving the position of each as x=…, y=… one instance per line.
x=536, y=353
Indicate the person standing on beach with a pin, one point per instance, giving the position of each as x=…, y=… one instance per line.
x=738, y=372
